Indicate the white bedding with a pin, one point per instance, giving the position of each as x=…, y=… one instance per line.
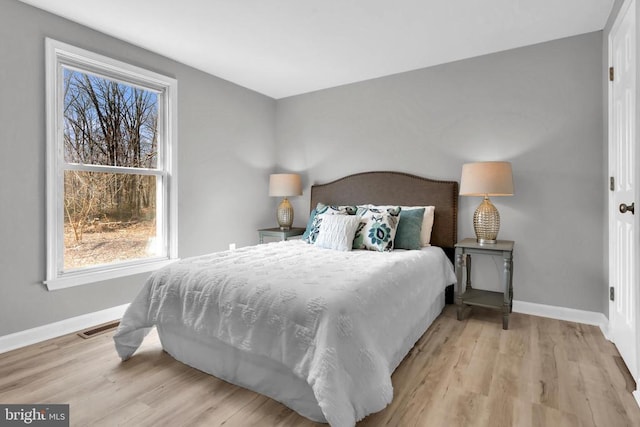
x=341, y=321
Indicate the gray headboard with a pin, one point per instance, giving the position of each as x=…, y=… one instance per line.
x=397, y=188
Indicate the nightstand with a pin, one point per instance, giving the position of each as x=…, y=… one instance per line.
x=466, y=296
x=279, y=234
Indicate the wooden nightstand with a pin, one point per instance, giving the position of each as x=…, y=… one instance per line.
x=466, y=296
x=279, y=234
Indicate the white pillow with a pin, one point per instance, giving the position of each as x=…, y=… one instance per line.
x=337, y=231
x=427, y=221
x=313, y=226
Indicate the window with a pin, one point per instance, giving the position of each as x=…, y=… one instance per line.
x=111, y=177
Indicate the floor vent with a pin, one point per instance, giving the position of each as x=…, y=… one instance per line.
x=100, y=329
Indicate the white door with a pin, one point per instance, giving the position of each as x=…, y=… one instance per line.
x=623, y=223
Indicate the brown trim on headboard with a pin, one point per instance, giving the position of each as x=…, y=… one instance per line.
x=397, y=188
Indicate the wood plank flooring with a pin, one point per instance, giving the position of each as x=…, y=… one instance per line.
x=541, y=372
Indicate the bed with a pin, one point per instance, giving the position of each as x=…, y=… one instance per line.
x=319, y=330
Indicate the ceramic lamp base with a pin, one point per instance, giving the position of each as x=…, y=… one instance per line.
x=284, y=215
x=486, y=222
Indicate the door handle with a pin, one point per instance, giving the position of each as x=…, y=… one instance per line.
x=624, y=208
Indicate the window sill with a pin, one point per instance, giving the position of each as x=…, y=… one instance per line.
x=69, y=280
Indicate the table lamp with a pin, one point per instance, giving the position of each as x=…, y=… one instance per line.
x=285, y=185
x=486, y=179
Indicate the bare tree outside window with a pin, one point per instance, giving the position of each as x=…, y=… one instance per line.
x=108, y=217
x=111, y=167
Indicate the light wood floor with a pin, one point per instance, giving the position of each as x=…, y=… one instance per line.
x=541, y=372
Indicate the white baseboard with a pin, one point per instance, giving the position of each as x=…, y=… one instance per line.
x=563, y=313
x=63, y=327
x=57, y=329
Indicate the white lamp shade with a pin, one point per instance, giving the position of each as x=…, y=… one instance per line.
x=486, y=179
x=285, y=185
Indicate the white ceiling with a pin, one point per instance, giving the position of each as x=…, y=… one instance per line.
x=287, y=47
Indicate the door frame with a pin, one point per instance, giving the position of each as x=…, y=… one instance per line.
x=610, y=199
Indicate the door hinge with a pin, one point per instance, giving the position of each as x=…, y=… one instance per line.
x=612, y=183
x=610, y=74
x=612, y=293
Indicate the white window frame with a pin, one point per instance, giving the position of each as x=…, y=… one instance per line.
x=59, y=56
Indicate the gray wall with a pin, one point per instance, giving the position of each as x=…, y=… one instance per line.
x=540, y=107
x=226, y=150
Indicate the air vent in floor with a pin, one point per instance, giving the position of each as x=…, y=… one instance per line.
x=100, y=329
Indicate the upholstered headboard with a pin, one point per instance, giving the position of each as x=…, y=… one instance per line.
x=396, y=188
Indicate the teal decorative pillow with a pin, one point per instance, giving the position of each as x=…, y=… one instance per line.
x=409, y=228
x=377, y=228
x=307, y=231
x=325, y=209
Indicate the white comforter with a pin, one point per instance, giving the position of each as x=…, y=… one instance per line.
x=341, y=321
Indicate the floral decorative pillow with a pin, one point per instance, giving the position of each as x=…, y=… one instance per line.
x=314, y=228
x=427, y=222
x=377, y=228
x=307, y=231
